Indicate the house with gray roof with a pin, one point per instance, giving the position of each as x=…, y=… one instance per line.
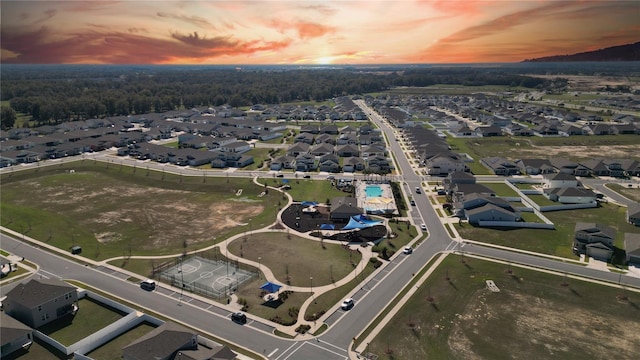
x=500, y=166
x=490, y=212
x=535, y=166
x=595, y=240
x=171, y=341
x=632, y=248
x=14, y=335
x=41, y=301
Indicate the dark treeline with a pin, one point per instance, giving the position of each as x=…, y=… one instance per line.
x=54, y=94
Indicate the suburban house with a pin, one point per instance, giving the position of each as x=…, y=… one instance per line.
x=560, y=180
x=500, y=166
x=41, y=301
x=171, y=341
x=594, y=240
x=443, y=164
x=352, y=164
x=475, y=200
x=535, y=166
x=633, y=214
x=457, y=177
x=632, y=248
x=298, y=148
x=14, y=335
x=570, y=195
x=490, y=212
x=282, y=162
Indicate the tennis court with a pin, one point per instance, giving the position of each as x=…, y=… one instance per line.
x=209, y=277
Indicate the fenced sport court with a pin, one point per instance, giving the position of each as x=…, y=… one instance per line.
x=208, y=277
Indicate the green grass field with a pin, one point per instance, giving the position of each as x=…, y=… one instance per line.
x=113, y=210
x=556, y=242
x=534, y=316
x=630, y=193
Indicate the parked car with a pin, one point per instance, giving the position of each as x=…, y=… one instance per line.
x=407, y=250
x=148, y=285
x=347, y=304
x=280, y=175
x=423, y=227
x=442, y=192
x=418, y=191
x=413, y=203
x=307, y=176
x=239, y=317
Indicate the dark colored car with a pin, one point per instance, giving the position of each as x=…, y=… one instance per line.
x=239, y=317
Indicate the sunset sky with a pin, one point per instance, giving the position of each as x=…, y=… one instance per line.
x=310, y=32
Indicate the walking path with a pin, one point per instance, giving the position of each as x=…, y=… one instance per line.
x=233, y=306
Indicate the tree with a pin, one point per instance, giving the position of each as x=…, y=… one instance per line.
x=7, y=117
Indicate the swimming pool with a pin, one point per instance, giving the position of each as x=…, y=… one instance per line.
x=373, y=191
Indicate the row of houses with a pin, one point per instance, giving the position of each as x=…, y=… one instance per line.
x=587, y=168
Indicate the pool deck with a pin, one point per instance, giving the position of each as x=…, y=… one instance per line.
x=379, y=204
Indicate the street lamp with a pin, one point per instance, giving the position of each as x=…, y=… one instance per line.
x=259, y=267
x=311, y=281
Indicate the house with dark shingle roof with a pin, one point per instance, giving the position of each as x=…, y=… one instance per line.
x=535, y=166
x=500, y=166
x=343, y=208
x=14, y=335
x=632, y=248
x=490, y=212
x=595, y=240
x=41, y=301
x=171, y=341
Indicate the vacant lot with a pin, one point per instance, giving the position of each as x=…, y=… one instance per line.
x=115, y=210
x=534, y=316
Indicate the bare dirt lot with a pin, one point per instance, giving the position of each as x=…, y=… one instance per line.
x=611, y=151
x=555, y=329
x=535, y=315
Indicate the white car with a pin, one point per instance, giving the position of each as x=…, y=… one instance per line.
x=407, y=250
x=347, y=304
x=423, y=227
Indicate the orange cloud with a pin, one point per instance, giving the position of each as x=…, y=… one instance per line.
x=113, y=47
x=194, y=20
x=304, y=29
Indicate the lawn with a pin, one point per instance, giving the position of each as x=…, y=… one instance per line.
x=542, y=200
x=534, y=316
x=90, y=318
x=113, y=349
x=114, y=210
x=310, y=190
x=630, y=193
x=556, y=242
x=501, y=189
x=288, y=257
